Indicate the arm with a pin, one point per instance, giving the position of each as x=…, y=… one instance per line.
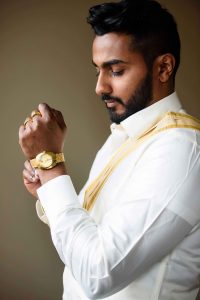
x=151, y=220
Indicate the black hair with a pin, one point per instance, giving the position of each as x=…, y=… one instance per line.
x=152, y=27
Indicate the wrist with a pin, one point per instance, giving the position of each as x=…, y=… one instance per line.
x=47, y=175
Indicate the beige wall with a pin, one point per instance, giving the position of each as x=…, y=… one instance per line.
x=45, y=55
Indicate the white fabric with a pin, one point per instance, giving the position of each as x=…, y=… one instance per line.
x=141, y=241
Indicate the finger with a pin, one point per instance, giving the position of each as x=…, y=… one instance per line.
x=45, y=110
x=27, y=124
x=29, y=177
x=36, y=112
x=36, y=115
x=32, y=172
x=36, y=121
x=27, y=121
x=21, y=130
x=29, y=168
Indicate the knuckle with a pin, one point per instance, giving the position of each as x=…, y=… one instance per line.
x=43, y=106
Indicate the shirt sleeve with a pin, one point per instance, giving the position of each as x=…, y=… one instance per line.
x=41, y=213
x=160, y=207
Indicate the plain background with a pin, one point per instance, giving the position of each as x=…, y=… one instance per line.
x=45, y=56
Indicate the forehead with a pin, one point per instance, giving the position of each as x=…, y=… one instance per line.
x=113, y=46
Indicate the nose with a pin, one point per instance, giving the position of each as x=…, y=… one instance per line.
x=103, y=85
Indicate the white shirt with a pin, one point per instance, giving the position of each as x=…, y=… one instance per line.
x=141, y=241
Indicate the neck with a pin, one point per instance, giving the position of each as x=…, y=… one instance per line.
x=164, y=91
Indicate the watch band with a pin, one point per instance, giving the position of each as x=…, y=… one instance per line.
x=57, y=158
x=60, y=157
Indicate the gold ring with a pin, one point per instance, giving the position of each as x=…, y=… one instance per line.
x=28, y=119
x=35, y=113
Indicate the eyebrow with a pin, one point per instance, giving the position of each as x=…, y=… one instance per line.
x=111, y=62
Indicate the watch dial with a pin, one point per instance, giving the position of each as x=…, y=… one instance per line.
x=46, y=160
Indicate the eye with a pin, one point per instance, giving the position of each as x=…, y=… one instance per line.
x=117, y=73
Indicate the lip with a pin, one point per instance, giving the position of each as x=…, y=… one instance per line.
x=110, y=103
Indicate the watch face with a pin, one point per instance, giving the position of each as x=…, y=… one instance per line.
x=45, y=160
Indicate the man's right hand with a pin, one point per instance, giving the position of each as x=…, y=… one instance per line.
x=31, y=179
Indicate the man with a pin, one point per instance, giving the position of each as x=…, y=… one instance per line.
x=133, y=232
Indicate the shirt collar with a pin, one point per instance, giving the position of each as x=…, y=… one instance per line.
x=144, y=119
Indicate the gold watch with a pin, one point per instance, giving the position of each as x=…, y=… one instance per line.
x=47, y=160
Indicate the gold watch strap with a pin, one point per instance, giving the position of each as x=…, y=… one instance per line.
x=60, y=157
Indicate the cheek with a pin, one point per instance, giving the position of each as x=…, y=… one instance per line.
x=125, y=87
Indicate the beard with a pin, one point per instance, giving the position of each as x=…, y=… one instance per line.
x=140, y=100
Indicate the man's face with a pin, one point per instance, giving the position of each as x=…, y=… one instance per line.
x=124, y=83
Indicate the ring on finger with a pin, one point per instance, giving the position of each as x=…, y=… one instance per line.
x=28, y=119
x=35, y=113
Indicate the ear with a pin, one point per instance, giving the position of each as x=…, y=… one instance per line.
x=165, y=64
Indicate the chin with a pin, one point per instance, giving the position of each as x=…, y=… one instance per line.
x=117, y=117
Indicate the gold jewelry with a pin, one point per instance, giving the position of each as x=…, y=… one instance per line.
x=47, y=160
x=28, y=119
x=35, y=113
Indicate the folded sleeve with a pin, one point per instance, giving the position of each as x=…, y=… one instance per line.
x=41, y=213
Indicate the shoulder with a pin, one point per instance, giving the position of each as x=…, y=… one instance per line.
x=174, y=148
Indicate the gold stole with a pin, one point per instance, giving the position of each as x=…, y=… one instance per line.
x=169, y=120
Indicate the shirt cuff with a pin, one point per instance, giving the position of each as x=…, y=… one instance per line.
x=41, y=213
x=58, y=195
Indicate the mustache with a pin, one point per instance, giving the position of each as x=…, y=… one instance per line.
x=110, y=97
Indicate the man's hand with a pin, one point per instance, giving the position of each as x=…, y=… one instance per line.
x=45, y=132
x=31, y=179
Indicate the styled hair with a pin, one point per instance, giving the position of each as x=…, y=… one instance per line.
x=152, y=27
